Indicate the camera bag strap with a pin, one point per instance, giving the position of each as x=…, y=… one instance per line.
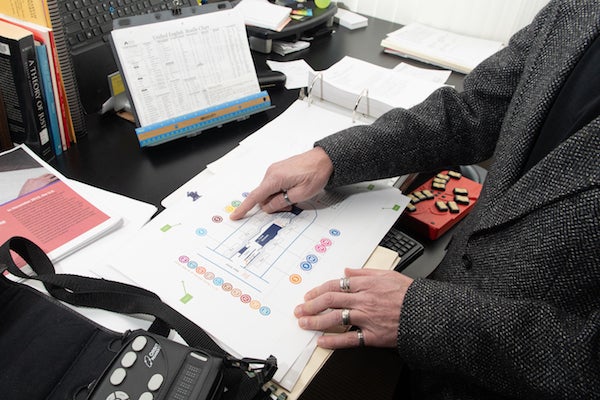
x=244, y=378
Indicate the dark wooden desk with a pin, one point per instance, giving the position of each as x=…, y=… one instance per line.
x=109, y=157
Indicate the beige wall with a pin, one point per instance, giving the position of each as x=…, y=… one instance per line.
x=489, y=19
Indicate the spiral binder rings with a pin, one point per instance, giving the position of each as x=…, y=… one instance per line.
x=361, y=99
x=368, y=91
x=316, y=78
x=186, y=70
x=363, y=95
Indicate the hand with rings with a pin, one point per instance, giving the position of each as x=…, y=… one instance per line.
x=288, y=182
x=368, y=299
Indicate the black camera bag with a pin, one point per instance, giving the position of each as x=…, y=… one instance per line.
x=51, y=352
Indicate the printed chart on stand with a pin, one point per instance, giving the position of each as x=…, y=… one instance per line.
x=240, y=280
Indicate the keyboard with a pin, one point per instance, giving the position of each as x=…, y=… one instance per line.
x=89, y=21
x=408, y=249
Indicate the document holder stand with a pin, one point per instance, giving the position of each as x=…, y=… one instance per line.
x=320, y=23
x=192, y=123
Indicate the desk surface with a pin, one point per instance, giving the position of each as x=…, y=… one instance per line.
x=109, y=157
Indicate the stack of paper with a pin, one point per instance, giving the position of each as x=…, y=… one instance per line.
x=284, y=48
x=438, y=47
x=263, y=14
x=350, y=20
x=373, y=90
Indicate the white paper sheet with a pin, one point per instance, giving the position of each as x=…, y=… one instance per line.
x=240, y=280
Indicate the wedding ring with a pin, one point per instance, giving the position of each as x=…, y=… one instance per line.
x=361, y=338
x=345, y=284
x=286, y=198
x=345, y=316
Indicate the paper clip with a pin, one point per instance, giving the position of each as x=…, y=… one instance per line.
x=364, y=93
x=310, y=88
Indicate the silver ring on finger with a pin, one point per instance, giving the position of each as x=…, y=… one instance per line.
x=361, y=337
x=286, y=198
x=345, y=316
x=345, y=284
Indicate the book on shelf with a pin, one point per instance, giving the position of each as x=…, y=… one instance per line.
x=75, y=115
x=22, y=91
x=45, y=36
x=5, y=140
x=26, y=10
x=47, y=13
x=460, y=53
x=39, y=203
x=186, y=73
x=48, y=95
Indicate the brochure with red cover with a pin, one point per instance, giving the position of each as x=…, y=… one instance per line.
x=37, y=202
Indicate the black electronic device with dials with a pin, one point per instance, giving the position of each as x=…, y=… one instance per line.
x=151, y=367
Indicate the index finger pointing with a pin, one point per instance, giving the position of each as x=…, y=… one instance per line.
x=247, y=205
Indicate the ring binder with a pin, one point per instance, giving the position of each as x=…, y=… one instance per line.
x=364, y=93
x=345, y=84
x=310, y=88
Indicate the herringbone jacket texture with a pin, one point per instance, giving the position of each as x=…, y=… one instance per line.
x=513, y=310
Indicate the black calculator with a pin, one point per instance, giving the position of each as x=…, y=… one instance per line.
x=408, y=249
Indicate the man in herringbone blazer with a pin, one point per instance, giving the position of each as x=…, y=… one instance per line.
x=513, y=311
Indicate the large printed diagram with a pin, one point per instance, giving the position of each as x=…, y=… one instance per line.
x=240, y=280
x=251, y=260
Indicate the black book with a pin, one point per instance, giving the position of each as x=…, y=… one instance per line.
x=22, y=90
x=5, y=140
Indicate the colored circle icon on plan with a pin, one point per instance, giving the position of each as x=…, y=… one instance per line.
x=201, y=232
x=264, y=310
x=334, y=232
x=218, y=281
x=305, y=266
x=255, y=304
x=295, y=279
x=245, y=298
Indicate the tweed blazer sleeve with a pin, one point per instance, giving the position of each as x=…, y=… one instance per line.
x=513, y=311
x=448, y=128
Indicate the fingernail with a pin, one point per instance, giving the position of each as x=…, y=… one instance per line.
x=298, y=311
